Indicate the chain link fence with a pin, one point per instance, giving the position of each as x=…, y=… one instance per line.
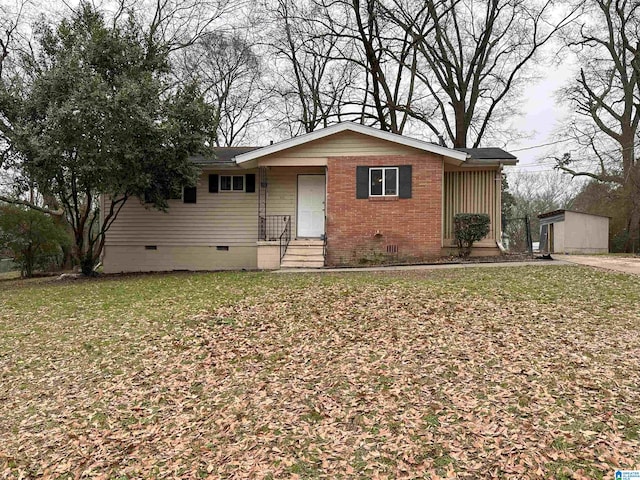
x=521, y=235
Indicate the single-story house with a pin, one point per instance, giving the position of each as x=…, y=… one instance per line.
x=567, y=231
x=344, y=195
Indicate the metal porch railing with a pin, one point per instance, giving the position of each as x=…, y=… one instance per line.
x=273, y=228
x=285, y=237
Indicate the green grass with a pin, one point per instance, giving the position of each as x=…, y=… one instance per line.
x=9, y=276
x=519, y=372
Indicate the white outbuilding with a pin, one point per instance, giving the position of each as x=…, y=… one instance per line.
x=567, y=231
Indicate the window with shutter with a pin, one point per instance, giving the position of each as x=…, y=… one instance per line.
x=383, y=181
x=231, y=183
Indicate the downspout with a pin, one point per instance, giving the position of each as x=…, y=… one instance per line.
x=442, y=208
x=499, y=219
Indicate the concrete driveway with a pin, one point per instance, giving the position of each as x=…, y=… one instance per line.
x=617, y=264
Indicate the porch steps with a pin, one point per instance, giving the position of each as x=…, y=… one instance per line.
x=304, y=253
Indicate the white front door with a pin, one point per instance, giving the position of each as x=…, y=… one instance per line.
x=311, y=195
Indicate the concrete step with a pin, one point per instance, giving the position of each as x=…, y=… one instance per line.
x=304, y=253
x=296, y=250
x=301, y=263
x=310, y=242
x=302, y=257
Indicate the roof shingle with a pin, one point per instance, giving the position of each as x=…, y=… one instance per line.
x=490, y=153
x=221, y=156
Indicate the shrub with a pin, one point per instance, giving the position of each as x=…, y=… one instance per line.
x=620, y=241
x=33, y=238
x=469, y=228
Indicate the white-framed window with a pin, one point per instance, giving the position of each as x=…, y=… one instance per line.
x=232, y=183
x=383, y=181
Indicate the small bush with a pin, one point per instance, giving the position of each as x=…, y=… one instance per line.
x=33, y=238
x=469, y=228
x=620, y=241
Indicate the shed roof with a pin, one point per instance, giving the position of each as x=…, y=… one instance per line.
x=562, y=210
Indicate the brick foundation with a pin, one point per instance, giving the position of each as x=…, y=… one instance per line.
x=368, y=231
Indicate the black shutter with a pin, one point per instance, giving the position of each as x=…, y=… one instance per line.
x=189, y=195
x=250, y=182
x=362, y=182
x=405, y=181
x=213, y=183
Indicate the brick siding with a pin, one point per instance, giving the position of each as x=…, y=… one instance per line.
x=365, y=231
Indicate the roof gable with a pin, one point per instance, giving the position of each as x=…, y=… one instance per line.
x=353, y=127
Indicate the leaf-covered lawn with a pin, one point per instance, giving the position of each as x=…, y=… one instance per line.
x=519, y=372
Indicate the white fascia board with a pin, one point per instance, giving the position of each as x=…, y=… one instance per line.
x=354, y=127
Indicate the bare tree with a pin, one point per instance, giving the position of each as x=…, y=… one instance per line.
x=541, y=192
x=534, y=193
x=230, y=76
x=312, y=87
x=384, y=56
x=472, y=55
x=606, y=97
x=180, y=23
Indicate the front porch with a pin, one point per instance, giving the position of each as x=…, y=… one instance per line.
x=291, y=216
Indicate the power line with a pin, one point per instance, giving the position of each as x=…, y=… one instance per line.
x=570, y=139
x=591, y=161
x=542, y=145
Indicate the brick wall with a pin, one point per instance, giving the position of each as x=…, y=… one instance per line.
x=362, y=231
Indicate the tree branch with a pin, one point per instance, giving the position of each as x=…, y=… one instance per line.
x=33, y=206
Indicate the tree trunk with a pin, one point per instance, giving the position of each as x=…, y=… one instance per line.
x=634, y=232
x=27, y=265
x=461, y=128
x=87, y=262
x=631, y=192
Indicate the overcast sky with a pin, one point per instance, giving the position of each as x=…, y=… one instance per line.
x=542, y=114
x=542, y=117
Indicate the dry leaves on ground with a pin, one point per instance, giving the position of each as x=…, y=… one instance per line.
x=512, y=373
